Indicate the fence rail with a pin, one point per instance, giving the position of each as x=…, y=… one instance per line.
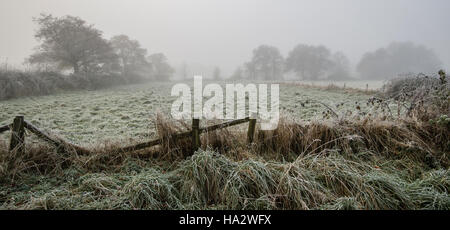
x=4, y=128
x=57, y=142
x=17, y=142
x=183, y=135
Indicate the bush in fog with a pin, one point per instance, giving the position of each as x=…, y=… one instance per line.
x=398, y=58
x=266, y=64
x=17, y=83
x=69, y=43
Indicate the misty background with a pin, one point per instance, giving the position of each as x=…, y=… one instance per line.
x=203, y=34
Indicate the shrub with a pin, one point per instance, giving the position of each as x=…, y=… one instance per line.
x=424, y=97
x=16, y=83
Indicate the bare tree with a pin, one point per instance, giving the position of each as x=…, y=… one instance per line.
x=309, y=62
x=266, y=64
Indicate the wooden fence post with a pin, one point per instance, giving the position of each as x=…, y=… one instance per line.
x=195, y=135
x=17, y=135
x=251, y=128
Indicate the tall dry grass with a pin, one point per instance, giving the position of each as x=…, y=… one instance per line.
x=365, y=164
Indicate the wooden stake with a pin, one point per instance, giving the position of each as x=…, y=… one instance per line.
x=195, y=135
x=17, y=135
x=251, y=128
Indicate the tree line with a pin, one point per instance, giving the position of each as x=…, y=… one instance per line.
x=69, y=43
x=308, y=62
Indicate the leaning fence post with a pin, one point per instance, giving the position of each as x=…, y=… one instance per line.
x=17, y=135
x=251, y=128
x=195, y=135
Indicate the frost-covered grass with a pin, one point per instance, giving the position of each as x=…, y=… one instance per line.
x=208, y=180
x=360, y=84
x=128, y=112
x=311, y=161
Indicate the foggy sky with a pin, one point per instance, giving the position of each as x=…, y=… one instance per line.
x=224, y=32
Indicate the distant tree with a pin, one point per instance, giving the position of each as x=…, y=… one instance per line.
x=340, y=69
x=237, y=74
x=309, y=62
x=184, y=71
x=131, y=56
x=161, y=70
x=250, y=70
x=398, y=58
x=70, y=43
x=266, y=64
x=216, y=73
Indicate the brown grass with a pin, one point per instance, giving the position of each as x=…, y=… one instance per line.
x=289, y=141
x=366, y=164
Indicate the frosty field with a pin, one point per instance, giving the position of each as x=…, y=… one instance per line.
x=338, y=163
x=128, y=112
